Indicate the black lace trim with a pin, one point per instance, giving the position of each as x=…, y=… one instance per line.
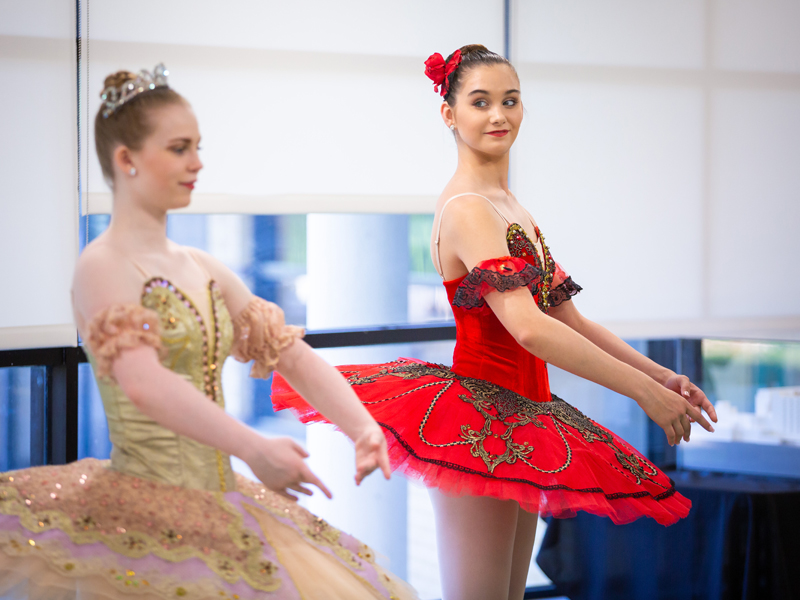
x=564, y=292
x=469, y=293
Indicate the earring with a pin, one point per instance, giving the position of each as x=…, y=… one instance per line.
x=452, y=127
x=133, y=171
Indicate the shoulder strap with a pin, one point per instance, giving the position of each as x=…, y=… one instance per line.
x=438, y=264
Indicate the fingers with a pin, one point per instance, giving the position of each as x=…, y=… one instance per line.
x=309, y=477
x=300, y=450
x=709, y=408
x=383, y=463
x=695, y=414
x=670, y=433
x=677, y=429
x=365, y=468
x=687, y=427
x=286, y=495
x=696, y=397
x=299, y=488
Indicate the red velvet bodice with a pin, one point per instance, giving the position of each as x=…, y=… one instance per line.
x=484, y=348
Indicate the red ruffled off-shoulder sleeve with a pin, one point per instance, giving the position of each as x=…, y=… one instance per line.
x=563, y=288
x=120, y=327
x=260, y=334
x=500, y=274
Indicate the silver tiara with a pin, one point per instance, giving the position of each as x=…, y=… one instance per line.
x=114, y=97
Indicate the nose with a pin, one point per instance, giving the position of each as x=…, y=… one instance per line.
x=497, y=116
x=196, y=164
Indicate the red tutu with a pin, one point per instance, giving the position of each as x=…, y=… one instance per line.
x=490, y=426
x=468, y=436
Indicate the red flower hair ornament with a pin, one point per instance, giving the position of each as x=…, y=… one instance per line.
x=439, y=71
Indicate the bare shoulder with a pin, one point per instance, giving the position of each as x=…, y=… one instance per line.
x=471, y=231
x=103, y=277
x=470, y=215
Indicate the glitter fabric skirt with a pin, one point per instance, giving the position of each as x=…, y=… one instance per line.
x=467, y=436
x=84, y=528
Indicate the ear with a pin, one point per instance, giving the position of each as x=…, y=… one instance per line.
x=122, y=159
x=448, y=114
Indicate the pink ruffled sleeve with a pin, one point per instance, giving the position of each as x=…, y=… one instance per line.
x=501, y=274
x=121, y=327
x=260, y=334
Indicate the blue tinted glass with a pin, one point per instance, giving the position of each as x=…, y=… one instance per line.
x=15, y=415
x=92, y=425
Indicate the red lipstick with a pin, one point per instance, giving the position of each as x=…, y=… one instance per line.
x=498, y=133
x=189, y=185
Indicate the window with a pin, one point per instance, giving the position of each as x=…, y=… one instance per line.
x=17, y=385
x=755, y=388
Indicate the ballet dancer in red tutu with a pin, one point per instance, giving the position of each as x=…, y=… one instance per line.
x=495, y=447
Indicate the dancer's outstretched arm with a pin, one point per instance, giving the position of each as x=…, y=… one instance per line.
x=569, y=314
x=173, y=402
x=475, y=234
x=319, y=383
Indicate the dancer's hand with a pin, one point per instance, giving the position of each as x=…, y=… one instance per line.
x=680, y=384
x=672, y=412
x=371, y=453
x=278, y=463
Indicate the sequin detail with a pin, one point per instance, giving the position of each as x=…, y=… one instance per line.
x=135, y=519
x=211, y=338
x=520, y=245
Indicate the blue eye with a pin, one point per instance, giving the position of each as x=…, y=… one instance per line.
x=480, y=103
x=510, y=102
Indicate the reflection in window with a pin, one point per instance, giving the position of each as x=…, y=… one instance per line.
x=92, y=425
x=16, y=385
x=755, y=388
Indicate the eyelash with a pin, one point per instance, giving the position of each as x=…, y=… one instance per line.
x=182, y=150
x=483, y=103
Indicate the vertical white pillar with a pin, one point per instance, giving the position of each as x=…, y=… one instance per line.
x=358, y=277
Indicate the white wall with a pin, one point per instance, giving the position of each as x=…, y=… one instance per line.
x=38, y=197
x=314, y=98
x=660, y=152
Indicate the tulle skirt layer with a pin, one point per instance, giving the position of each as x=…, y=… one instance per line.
x=84, y=528
x=467, y=436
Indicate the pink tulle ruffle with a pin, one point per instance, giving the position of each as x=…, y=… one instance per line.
x=260, y=334
x=121, y=327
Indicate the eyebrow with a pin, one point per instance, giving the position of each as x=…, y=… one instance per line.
x=487, y=93
x=184, y=140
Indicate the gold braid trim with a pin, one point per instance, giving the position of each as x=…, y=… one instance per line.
x=511, y=410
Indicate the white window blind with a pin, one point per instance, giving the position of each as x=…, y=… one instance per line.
x=38, y=173
x=303, y=107
x=660, y=154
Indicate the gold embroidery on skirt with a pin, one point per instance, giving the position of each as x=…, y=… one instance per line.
x=511, y=411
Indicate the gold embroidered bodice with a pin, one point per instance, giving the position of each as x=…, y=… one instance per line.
x=195, y=346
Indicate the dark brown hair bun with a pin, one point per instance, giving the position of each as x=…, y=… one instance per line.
x=472, y=56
